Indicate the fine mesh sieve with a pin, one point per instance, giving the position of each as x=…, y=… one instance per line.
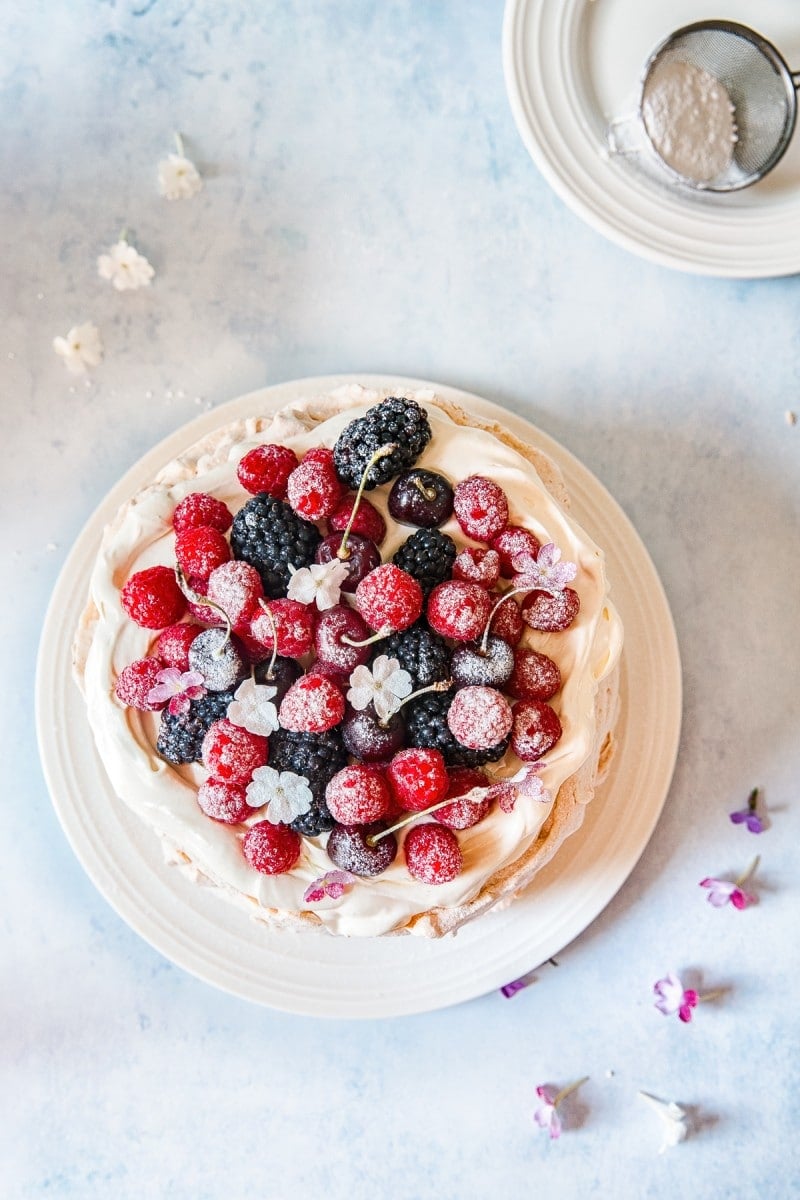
x=756, y=78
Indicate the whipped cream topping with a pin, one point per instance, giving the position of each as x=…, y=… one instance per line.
x=165, y=796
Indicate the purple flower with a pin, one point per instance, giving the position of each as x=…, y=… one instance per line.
x=332, y=886
x=545, y=572
x=177, y=687
x=516, y=985
x=525, y=783
x=748, y=816
x=546, y=1115
x=722, y=891
x=674, y=998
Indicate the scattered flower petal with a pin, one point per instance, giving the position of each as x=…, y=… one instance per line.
x=674, y=1128
x=125, y=267
x=748, y=816
x=384, y=686
x=81, y=348
x=286, y=795
x=178, y=688
x=544, y=572
x=517, y=985
x=674, y=998
x=546, y=1116
x=178, y=177
x=252, y=708
x=526, y=783
x=332, y=885
x=321, y=583
x=722, y=892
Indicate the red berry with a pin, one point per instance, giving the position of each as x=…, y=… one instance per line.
x=479, y=717
x=460, y=610
x=135, y=681
x=267, y=469
x=358, y=795
x=338, y=622
x=481, y=507
x=535, y=676
x=294, y=625
x=224, y=801
x=536, y=729
x=198, y=508
x=313, y=488
x=432, y=853
x=513, y=541
x=200, y=550
x=271, y=849
x=237, y=588
x=153, y=599
x=172, y=644
x=389, y=597
x=202, y=612
x=507, y=622
x=350, y=848
x=418, y=778
x=231, y=753
x=549, y=613
x=477, y=565
x=463, y=814
x=369, y=522
x=311, y=705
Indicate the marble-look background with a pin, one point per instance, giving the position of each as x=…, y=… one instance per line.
x=368, y=206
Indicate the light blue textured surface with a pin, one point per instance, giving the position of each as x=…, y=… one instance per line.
x=368, y=206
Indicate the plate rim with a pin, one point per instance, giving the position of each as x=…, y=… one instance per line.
x=132, y=907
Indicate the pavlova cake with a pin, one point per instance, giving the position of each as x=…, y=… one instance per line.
x=354, y=663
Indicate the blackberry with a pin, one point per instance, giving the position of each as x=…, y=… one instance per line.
x=428, y=555
x=318, y=756
x=269, y=535
x=420, y=651
x=394, y=420
x=180, y=737
x=426, y=725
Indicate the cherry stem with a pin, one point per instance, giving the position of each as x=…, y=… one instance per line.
x=441, y=685
x=196, y=598
x=343, y=553
x=473, y=796
x=376, y=637
x=266, y=608
x=484, y=646
x=427, y=493
x=565, y=1091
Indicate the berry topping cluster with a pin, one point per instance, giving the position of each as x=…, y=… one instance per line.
x=328, y=693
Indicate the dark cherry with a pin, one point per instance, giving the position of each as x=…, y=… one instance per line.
x=283, y=674
x=334, y=624
x=362, y=556
x=220, y=659
x=421, y=498
x=472, y=667
x=541, y=610
x=349, y=848
x=367, y=739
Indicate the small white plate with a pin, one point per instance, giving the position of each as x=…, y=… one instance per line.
x=314, y=973
x=571, y=66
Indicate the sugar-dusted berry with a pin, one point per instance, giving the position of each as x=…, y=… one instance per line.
x=200, y=550
x=463, y=814
x=479, y=717
x=293, y=623
x=481, y=507
x=368, y=521
x=535, y=676
x=460, y=610
x=432, y=853
x=351, y=849
x=551, y=613
x=224, y=801
x=312, y=705
x=135, y=681
x=418, y=778
x=236, y=587
x=172, y=644
x=389, y=598
x=536, y=729
x=231, y=753
x=507, y=622
x=198, y=508
x=267, y=469
x=358, y=795
x=337, y=623
x=476, y=564
x=313, y=488
x=153, y=599
x=513, y=541
x=271, y=849
x=221, y=660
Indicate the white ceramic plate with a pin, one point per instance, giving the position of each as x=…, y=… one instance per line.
x=572, y=65
x=314, y=973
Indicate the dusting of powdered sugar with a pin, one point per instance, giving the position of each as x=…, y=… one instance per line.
x=689, y=119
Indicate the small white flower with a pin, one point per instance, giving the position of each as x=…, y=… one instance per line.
x=321, y=583
x=81, y=348
x=125, y=267
x=252, y=708
x=178, y=177
x=674, y=1128
x=287, y=795
x=385, y=686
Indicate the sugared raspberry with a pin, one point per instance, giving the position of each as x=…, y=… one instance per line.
x=512, y=541
x=237, y=588
x=369, y=522
x=536, y=729
x=135, y=681
x=153, y=599
x=479, y=717
x=198, y=508
x=535, y=676
x=477, y=565
x=200, y=550
x=271, y=849
x=418, y=778
x=294, y=625
x=311, y=705
x=231, y=753
x=224, y=801
x=507, y=622
x=202, y=612
x=463, y=814
x=549, y=613
x=481, y=508
x=460, y=610
x=313, y=488
x=172, y=644
x=389, y=598
x=358, y=795
x=432, y=854
x=338, y=622
x=267, y=469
